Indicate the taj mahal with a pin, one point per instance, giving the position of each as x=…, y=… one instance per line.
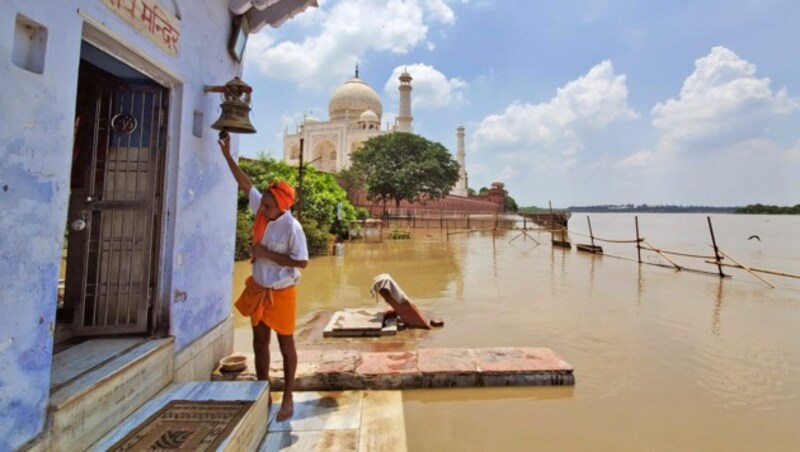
x=354, y=116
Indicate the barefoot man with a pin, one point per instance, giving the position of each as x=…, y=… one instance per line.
x=279, y=249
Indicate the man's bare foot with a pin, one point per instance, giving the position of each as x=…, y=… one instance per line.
x=287, y=409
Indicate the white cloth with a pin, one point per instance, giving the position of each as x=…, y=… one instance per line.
x=284, y=235
x=385, y=281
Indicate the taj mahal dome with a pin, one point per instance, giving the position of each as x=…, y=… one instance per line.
x=354, y=116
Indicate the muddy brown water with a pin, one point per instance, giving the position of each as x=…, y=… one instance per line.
x=664, y=360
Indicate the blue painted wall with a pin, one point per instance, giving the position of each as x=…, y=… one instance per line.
x=36, y=121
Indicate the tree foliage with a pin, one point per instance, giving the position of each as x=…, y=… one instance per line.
x=770, y=209
x=351, y=180
x=321, y=194
x=510, y=204
x=402, y=166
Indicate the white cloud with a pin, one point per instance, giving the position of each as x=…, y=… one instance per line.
x=350, y=29
x=440, y=11
x=721, y=105
x=431, y=88
x=558, y=126
x=716, y=132
x=639, y=159
x=721, y=100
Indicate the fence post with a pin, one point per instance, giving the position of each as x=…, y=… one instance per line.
x=716, y=250
x=638, y=240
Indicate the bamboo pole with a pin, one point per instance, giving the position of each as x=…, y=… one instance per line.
x=750, y=270
x=591, y=234
x=716, y=250
x=757, y=270
x=677, y=267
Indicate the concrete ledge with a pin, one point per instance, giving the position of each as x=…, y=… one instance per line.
x=320, y=370
x=196, y=361
x=91, y=405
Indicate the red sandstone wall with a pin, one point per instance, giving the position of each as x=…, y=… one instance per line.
x=450, y=204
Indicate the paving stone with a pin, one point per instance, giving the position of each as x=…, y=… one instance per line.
x=441, y=360
x=448, y=368
x=389, y=370
x=339, y=410
x=506, y=359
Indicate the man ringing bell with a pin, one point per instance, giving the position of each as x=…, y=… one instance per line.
x=278, y=251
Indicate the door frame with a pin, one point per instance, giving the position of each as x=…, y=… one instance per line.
x=98, y=35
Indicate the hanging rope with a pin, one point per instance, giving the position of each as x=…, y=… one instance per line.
x=606, y=240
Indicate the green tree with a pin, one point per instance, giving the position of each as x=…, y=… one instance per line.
x=321, y=195
x=769, y=209
x=402, y=166
x=351, y=180
x=510, y=204
x=471, y=192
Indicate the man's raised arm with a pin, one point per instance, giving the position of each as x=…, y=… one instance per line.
x=241, y=178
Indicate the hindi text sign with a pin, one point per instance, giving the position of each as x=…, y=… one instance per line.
x=152, y=20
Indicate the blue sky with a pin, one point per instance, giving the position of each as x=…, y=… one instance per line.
x=578, y=102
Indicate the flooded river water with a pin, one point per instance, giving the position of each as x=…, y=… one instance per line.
x=664, y=360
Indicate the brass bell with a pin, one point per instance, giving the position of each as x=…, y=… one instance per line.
x=235, y=107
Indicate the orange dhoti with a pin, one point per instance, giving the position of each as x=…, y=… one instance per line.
x=276, y=308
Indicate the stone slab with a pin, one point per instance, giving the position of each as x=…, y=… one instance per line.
x=382, y=422
x=312, y=441
x=363, y=421
x=329, y=370
x=359, y=322
x=81, y=358
x=339, y=410
x=448, y=368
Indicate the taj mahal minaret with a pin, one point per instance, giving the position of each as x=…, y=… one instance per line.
x=404, y=117
x=460, y=188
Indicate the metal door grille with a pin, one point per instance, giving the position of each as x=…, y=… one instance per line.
x=124, y=187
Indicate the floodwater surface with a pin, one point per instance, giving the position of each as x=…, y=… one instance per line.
x=664, y=359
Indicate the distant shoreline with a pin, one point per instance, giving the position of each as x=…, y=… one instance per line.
x=753, y=209
x=644, y=208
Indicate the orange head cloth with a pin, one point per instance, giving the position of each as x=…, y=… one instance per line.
x=283, y=193
x=284, y=196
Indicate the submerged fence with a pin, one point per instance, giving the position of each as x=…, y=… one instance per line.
x=455, y=223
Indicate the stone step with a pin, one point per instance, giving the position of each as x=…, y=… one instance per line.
x=331, y=370
x=335, y=421
x=246, y=435
x=84, y=407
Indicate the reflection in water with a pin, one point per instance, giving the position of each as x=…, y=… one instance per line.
x=655, y=351
x=715, y=319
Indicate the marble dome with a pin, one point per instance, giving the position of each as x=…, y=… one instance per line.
x=352, y=99
x=369, y=116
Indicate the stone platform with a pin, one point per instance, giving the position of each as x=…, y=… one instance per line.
x=334, y=370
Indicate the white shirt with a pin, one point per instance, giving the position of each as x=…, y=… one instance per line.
x=284, y=235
